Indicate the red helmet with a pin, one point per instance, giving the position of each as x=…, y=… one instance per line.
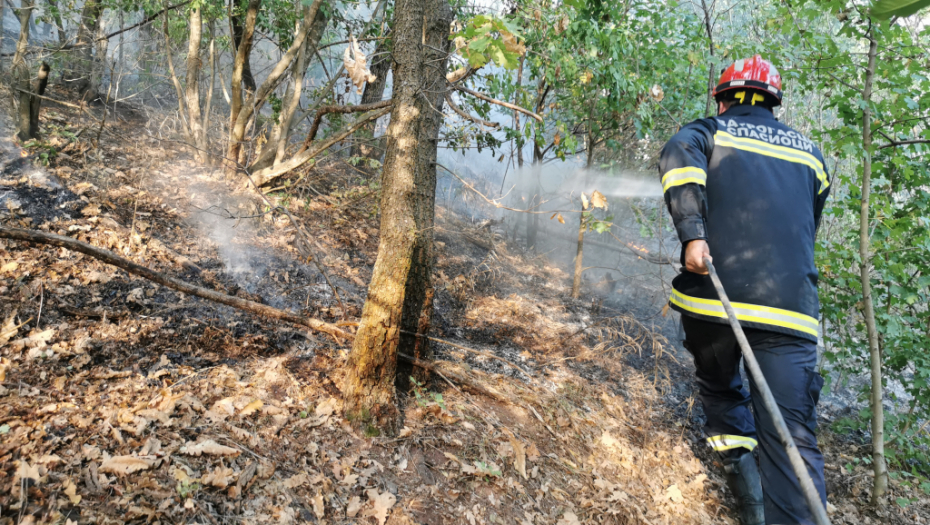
x=751, y=73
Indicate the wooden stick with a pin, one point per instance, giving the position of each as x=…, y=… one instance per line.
x=176, y=284
x=315, y=126
x=507, y=105
x=462, y=113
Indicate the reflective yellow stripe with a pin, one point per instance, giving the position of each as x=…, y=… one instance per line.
x=722, y=138
x=679, y=176
x=750, y=313
x=727, y=442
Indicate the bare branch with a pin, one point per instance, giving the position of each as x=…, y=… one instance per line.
x=265, y=176
x=507, y=105
x=458, y=111
x=894, y=143
x=339, y=109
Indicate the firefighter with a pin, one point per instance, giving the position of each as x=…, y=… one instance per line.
x=748, y=191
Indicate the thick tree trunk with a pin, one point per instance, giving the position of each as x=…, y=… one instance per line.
x=99, y=62
x=407, y=200
x=2, y=32
x=79, y=77
x=192, y=81
x=374, y=91
x=238, y=22
x=208, y=102
x=21, y=73
x=240, y=66
x=35, y=103
x=417, y=313
x=273, y=153
x=880, y=480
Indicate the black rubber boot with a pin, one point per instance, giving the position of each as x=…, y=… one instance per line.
x=743, y=478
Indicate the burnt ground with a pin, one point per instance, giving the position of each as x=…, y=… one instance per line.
x=123, y=401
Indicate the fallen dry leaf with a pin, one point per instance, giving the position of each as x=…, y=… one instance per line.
x=355, y=505
x=122, y=465
x=251, y=408
x=674, y=494
x=71, y=491
x=319, y=509
x=208, y=447
x=297, y=480
x=221, y=477
x=569, y=518
x=26, y=471
x=380, y=504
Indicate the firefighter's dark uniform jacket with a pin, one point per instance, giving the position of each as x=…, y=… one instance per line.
x=754, y=189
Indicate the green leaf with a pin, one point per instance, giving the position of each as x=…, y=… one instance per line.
x=885, y=9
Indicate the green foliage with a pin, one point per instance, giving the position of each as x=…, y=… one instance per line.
x=885, y=9
x=488, y=38
x=42, y=149
x=899, y=205
x=424, y=398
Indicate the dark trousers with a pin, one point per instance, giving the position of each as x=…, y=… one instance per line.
x=788, y=363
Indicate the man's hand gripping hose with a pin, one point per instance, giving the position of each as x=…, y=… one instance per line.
x=768, y=400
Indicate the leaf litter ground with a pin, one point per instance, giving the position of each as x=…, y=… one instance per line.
x=126, y=402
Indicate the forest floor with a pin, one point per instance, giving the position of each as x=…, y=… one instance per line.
x=122, y=401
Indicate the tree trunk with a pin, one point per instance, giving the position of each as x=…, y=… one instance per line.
x=880, y=480
x=192, y=81
x=274, y=152
x=21, y=73
x=708, y=26
x=579, y=252
x=248, y=107
x=55, y=12
x=238, y=27
x=400, y=279
x=99, y=62
x=583, y=222
x=417, y=313
x=374, y=91
x=208, y=102
x=35, y=103
x=240, y=67
x=2, y=32
x=80, y=74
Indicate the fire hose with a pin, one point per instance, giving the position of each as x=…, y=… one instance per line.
x=768, y=401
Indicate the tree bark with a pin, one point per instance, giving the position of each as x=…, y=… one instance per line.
x=208, y=102
x=248, y=108
x=81, y=68
x=240, y=68
x=880, y=480
x=99, y=60
x=273, y=153
x=238, y=28
x=708, y=26
x=55, y=11
x=417, y=312
x=583, y=222
x=192, y=81
x=21, y=73
x=35, y=102
x=400, y=279
x=374, y=91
